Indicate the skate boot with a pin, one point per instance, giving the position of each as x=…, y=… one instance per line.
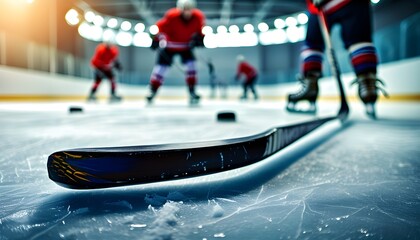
x=151, y=96
x=368, y=91
x=115, y=98
x=91, y=98
x=308, y=92
x=194, y=98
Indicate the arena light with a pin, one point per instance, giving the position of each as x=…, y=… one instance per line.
x=279, y=23
x=207, y=30
x=126, y=26
x=302, y=18
x=234, y=29
x=72, y=17
x=124, y=38
x=89, y=16
x=295, y=34
x=98, y=20
x=263, y=27
x=275, y=36
x=112, y=23
x=221, y=29
x=109, y=36
x=142, y=39
x=154, y=29
x=291, y=22
x=248, y=27
x=140, y=27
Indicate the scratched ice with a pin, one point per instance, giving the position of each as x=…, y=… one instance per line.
x=357, y=181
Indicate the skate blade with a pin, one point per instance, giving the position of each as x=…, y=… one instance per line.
x=370, y=111
x=292, y=109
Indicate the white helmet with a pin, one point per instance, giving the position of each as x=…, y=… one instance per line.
x=240, y=58
x=185, y=4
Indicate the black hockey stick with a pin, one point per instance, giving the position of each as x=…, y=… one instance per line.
x=335, y=69
x=91, y=168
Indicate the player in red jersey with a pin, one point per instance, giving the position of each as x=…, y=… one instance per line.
x=180, y=30
x=354, y=16
x=251, y=75
x=104, y=61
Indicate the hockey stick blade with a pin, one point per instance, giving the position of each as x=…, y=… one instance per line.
x=90, y=168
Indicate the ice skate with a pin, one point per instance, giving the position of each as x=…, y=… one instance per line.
x=368, y=91
x=308, y=92
x=115, y=98
x=92, y=98
x=194, y=98
x=151, y=96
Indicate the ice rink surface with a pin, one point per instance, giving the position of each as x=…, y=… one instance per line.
x=360, y=180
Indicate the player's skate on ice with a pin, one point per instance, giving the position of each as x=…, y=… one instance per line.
x=354, y=16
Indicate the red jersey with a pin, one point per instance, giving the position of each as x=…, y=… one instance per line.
x=330, y=7
x=178, y=31
x=246, y=69
x=104, y=56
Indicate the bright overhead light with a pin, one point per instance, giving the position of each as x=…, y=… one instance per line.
x=302, y=18
x=375, y=1
x=279, y=23
x=89, y=16
x=112, y=23
x=248, y=28
x=72, y=17
x=291, y=21
x=207, y=30
x=126, y=26
x=154, y=29
x=234, y=29
x=221, y=29
x=142, y=39
x=109, y=36
x=98, y=20
x=263, y=27
x=139, y=27
x=124, y=39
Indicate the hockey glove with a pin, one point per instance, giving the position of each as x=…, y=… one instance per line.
x=117, y=65
x=319, y=3
x=155, y=44
x=197, y=40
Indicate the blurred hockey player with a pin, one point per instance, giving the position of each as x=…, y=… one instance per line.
x=104, y=61
x=215, y=81
x=251, y=75
x=179, y=32
x=355, y=18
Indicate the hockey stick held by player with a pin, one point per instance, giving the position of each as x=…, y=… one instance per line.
x=354, y=16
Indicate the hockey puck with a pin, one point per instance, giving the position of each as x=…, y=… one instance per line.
x=74, y=109
x=226, y=116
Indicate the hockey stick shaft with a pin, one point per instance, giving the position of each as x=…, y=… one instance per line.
x=335, y=69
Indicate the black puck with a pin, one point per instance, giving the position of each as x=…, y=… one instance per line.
x=226, y=116
x=74, y=109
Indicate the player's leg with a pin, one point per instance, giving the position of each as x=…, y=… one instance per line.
x=189, y=61
x=357, y=37
x=311, y=67
x=159, y=71
x=98, y=75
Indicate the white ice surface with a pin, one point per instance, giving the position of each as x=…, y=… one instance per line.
x=360, y=180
